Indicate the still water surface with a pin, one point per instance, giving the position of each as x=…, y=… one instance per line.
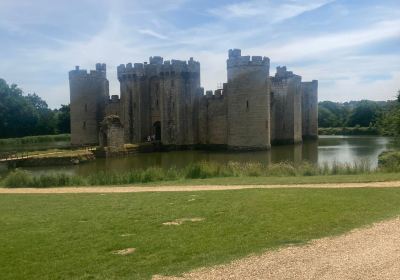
x=327, y=149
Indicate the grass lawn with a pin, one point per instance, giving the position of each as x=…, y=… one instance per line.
x=73, y=236
x=282, y=180
x=35, y=139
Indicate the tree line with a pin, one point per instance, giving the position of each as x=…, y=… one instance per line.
x=27, y=114
x=382, y=115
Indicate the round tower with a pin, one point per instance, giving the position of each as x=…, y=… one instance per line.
x=248, y=96
x=89, y=93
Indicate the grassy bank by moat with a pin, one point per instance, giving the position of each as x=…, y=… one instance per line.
x=35, y=139
x=76, y=236
x=357, y=130
x=216, y=173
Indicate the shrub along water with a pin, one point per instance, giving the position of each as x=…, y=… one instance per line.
x=200, y=170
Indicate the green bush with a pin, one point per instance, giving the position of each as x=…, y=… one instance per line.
x=152, y=174
x=202, y=170
x=18, y=178
x=281, y=169
x=22, y=178
x=308, y=169
x=389, y=161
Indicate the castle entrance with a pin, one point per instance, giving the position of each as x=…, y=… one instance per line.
x=157, y=130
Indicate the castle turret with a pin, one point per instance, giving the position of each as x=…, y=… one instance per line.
x=309, y=103
x=286, y=124
x=248, y=101
x=89, y=93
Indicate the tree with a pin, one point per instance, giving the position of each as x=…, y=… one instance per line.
x=332, y=114
x=389, y=121
x=23, y=115
x=63, y=119
x=364, y=114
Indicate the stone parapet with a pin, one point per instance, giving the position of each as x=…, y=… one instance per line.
x=157, y=66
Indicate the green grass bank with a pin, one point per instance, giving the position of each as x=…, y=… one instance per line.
x=35, y=139
x=201, y=170
x=357, y=130
x=74, y=236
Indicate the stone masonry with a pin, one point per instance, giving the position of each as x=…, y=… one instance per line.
x=163, y=101
x=286, y=118
x=89, y=95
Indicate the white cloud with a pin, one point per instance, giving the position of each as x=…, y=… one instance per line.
x=316, y=46
x=153, y=33
x=271, y=11
x=343, y=79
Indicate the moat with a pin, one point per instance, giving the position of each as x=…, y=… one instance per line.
x=327, y=149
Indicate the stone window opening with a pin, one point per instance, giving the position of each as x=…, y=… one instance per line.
x=247, y=105
x=85, y=107
x=84, y=125
x=172, y=83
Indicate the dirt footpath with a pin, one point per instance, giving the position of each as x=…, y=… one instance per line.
x=368, y=253
x=134, y=189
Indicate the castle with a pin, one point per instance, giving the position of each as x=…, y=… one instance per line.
x=163, y=101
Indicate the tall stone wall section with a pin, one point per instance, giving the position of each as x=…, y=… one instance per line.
x=113, y=106
x=161, y=92
x=248, y=101
x=213, y=118
x=89, y=93
x=309, y=95
x=286, y=116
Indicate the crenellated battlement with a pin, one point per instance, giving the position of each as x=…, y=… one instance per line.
x=235, y=59
x=157, y=60
x=100, y=72
x=216, y=94
x=114, y=99
x=283, y=77
x=310, y=84
x=282, y=73
x=156, y=66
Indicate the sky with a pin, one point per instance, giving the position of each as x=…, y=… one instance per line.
x=351, y=47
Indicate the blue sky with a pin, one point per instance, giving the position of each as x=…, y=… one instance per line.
x=351, y=47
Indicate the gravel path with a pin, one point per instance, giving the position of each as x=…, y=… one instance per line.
x=134, y=189
x=367, y=253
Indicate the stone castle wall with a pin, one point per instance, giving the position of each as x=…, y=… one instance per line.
x=113, y=106
x=88, y=95
x=160, y=92
x=213, y=118
x=286, y=118
x=309, y=97
x=248, y=101
x=164, y=99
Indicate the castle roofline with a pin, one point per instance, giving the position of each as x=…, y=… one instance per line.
x=282, y=74
x=99, y=72
x=157, y=65
x=235, y=59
